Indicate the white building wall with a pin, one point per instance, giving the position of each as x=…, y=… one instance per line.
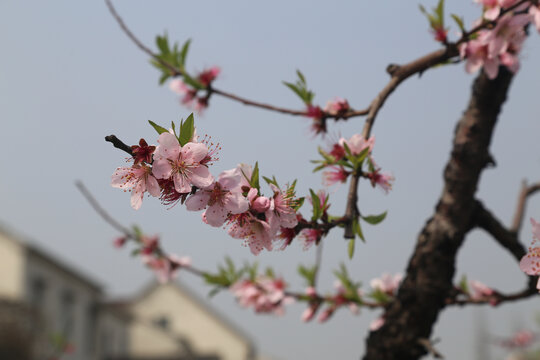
x=12, y=264
x=206, y=334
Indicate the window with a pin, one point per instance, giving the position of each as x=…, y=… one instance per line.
x=162, y=322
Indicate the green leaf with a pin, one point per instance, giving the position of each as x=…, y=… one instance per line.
x=439, y=12
x=272, y=181
x=374, y=219
x=320, y=167
x=351, y=248
x=301, y=77
x=163, y=78
x=159, y=129
x=329, y=158
x=186, y=130
x=299, y=203
x=270, y=272
x=316, y=202
x=358, y=230
x=192, y=82
x=163, y=44
x=254, y=181
x=184, y=52
x=295, y=89
x=460, y=23
x=463, y=284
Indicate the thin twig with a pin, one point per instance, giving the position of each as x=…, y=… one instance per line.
x=525, y=192
x=351, y=211
x=119, y=144
x=101, y=212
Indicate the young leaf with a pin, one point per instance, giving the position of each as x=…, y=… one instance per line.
x=163, y=78
x=439, y=13
x=358, y=230
x=186, y=130
x=159, y=129
x=192, y=82
x=301, y=77
x=316, y=202
x=163, y=44
x=459, y=22
x=272, y=181
x=295, y=89
x=254, y=181
x=183, y=53
x=351, y=248
x=374, y=219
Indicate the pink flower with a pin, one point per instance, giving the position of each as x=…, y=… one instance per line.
x=142, y=152
x=338, y=152
x=309, y=237
x=119, y=242
x=179, y=87
x=256, y=232
x=508, y=32
x=477, y=54
x=534, y=11
x=281, y=209
x=323, y=200
x=384, y=181
x=207, y=76
x=357, y=143
x=337, y=107
x=221, y=198
x=166, y=267
x=479, y=290
x=314, y=112
x=310, y=312
x=181, y=163
x=387, y=283
x=265, y=295
x=336, y=174
x=521, y=339
x=530, y=263
x=137, y=179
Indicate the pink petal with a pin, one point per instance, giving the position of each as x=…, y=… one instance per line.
x=229, y=179
x=168, y=148
x=491, y=67
x=162, y=169
x=216, y=215
x=137, y=195
x=181, y=185
x=530, y=263
x=195, y=152
x=201, y=177
x=197, y=201
x=236, y=203
x=152, y=186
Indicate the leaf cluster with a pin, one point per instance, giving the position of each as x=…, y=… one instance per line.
x=300, y=88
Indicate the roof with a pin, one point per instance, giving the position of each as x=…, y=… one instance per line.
x=51, y=259
x=196, y=300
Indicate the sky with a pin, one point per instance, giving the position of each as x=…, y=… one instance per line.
x=69, y=77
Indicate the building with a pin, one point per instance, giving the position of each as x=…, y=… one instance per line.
x=48, y=307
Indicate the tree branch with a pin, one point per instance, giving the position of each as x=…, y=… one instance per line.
x=119, y=144
x=506, y=238
x=525, y=192
x=428, y=282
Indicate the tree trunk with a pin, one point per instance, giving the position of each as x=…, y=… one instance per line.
x=430, y=272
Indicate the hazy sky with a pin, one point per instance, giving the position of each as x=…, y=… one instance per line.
x=69, y=77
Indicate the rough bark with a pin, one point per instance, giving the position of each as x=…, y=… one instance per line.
x=431, y=268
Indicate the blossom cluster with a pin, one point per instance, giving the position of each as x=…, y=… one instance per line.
x=265, y=294
x=177, y=170
x=347, y=156
x=165, y=266
x=501, y=44
x=190, y=93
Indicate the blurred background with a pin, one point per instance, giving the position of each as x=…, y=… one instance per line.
x=69, y=77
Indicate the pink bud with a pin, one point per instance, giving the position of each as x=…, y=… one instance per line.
x=261, y=204
x=119, y=242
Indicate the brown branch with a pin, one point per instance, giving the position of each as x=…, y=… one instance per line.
x=506, y=238
x=428, y=281
x=498, y=298
x=525, y=192
x=351, y=211
x=119, y=144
